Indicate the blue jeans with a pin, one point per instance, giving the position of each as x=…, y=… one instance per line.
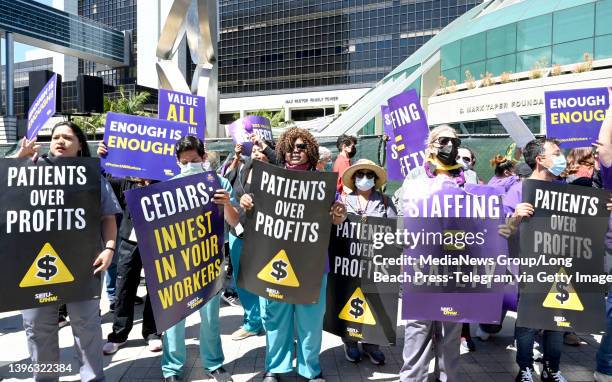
x=604, y=354
x=525, y=338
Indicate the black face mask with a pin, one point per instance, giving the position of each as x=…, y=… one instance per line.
x=448, y=154
x=352, y=152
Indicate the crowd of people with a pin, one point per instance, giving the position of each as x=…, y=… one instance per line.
x=298, y=328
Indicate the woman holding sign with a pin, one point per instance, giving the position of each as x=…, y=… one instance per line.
x=426, y=338
x=40, y=324
x=366, y=179
x=296, y=150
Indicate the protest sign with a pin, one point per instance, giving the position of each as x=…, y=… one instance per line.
x=563, y=288
x=241, y=129
x=141, y=147
x=574, y=117
x=410, y=130
x=49, y=230
x=43, y=107
x=394, y=171
x=454, y=266
x=287, y=233
x=186, y=108
x=514, y=125
x=358, y=307
x=180, y=238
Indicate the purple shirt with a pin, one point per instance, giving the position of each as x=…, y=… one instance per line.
x=506, y=182
x=606, y=176
x=513, y=196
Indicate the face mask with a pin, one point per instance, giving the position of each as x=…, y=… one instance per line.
x=352, y=152
x=558, y=166
x=364, y=183
x=448, y=155
x=463, y=164
x=191, y=168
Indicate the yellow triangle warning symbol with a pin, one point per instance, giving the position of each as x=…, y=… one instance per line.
x=562, y=295
x=279, y=271
x=46, y=269
x=357, y=309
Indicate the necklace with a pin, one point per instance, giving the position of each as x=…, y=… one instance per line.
x=359, y=210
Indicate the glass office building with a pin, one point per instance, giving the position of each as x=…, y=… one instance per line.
x=269, y=46
x=119, y=15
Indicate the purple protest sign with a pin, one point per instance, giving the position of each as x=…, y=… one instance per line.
x=43, y=108
x=574, y=117
x=141, y=147
x=185, y=108
x=241, y=129
x=180, y=238
x=454, y=271
x=394, y=171
x=410, y=130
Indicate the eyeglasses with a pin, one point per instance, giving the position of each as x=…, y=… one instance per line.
x=367, y=174
x=299, y=147
x=443, y=141
x=466, y=159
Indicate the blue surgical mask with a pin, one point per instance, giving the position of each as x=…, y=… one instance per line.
x=364, y=183
x=558, y=165
x=191, y=168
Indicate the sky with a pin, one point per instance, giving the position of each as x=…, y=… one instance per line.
x=21, y=49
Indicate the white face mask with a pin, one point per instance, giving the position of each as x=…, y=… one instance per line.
x=191, y=168
x=364, y=183
x=463, y=164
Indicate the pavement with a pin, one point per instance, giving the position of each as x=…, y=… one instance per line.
x=493, y=360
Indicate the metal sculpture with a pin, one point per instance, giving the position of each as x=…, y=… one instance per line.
x=198, y=20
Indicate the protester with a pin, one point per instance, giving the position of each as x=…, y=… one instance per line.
x=347, y=148
x=523, y=171
x=440, y=170
x=504, y=170
x=239, y=176
x=366, y=179
x=40, y=324
x=603, y=371
x=128, y=276
x=191, y=157
x=467, y=159
x=547, y=162
x=296, y=150
x=325, y=157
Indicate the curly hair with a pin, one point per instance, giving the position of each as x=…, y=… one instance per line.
x=500, y=164
x=580, y=157
x=288, y=138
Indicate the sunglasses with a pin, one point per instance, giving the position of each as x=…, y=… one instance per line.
x=443, y=141
x=367, y=174
x=466, y=159
x=300, y=147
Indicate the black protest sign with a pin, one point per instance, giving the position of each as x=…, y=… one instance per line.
x=180, y=238
x=359, y=306
x=563, y=243
x=49, y=230
x=287, y=234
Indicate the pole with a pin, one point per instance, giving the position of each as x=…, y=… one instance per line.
x=10, y=73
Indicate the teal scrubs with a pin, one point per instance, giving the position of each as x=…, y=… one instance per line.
x=278, y=320
x=211, y=353
x=250, y=302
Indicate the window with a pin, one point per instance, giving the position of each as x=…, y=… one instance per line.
x=473, y=48
x=574, y=23
x=572, y=52
x=534, y=33
x=501, y=41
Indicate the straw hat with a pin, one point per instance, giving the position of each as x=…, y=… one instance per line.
x=364, y=164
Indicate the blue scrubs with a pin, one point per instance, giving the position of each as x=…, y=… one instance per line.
x=278, y=320
x=250, y=302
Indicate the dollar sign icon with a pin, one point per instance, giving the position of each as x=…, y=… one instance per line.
x=563, y=294
x=279, y=272
x=46, y=267
x=356, y=307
